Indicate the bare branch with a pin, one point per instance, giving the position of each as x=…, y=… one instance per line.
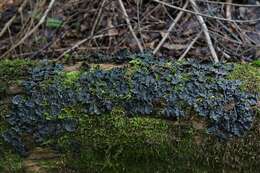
x=130, y=26
x=33, y=30
x=190, y=46
x=98, y=17
x=229, y=3
x=9, y=23
x=170, y=28
x=228, y=10
x=206, y=31
x=80, y=43
x=204, y=15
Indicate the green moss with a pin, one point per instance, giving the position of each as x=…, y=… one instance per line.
x=10, y=162
x=3, y=124
x=71, y=77
x=135, y=66
x=256, y=63
x=249, y=75
x=13, y=69
x=114, y=142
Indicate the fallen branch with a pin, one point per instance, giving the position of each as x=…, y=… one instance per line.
x=190, y=46
x=206, y=31
x=170, y=28
x=130, y=26
x=33, y=30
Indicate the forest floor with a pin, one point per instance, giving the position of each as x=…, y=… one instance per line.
x=225, y=31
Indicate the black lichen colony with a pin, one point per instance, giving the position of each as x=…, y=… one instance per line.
x=148, y=86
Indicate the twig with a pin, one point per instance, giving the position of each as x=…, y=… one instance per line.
x=190, y=46
x=206, y=31
x=170, y=28
x=205, y=15
x=80, y=43
x=228, y=30
x=227, y=56
x=8, y=24
x=139, y=4
x=130, y=26
x=33, y=30
x=228, y=3
x=228, y=10
x=98, y=17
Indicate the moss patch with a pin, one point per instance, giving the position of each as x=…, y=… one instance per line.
x=11, y=71
x=249, y=75
x=256, y=63
x=10, y=162
x=118, y=144
x=71, y=77
x=114, y=142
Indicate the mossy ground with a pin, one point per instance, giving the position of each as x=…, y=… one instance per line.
x=115, y=143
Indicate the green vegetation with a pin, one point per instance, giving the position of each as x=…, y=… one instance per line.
x=249, y=75
x=256, y=63
x=12, y=71
x=118, y=144
x=69, y=78
x=115, y=143
x=9, y=161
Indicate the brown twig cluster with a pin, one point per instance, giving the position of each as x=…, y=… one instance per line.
x=213, y=30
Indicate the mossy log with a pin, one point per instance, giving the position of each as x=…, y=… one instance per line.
x=117, y=143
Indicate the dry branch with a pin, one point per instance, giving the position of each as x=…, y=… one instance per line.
x=98, y=17
x=33, y=30
x=205, y=15
x=80, y=43
x=206, y=31
x=130, y=26
x=190, y=46
x=9, y=23
x=228, y=10
x=170, y=28
x=229, y=3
